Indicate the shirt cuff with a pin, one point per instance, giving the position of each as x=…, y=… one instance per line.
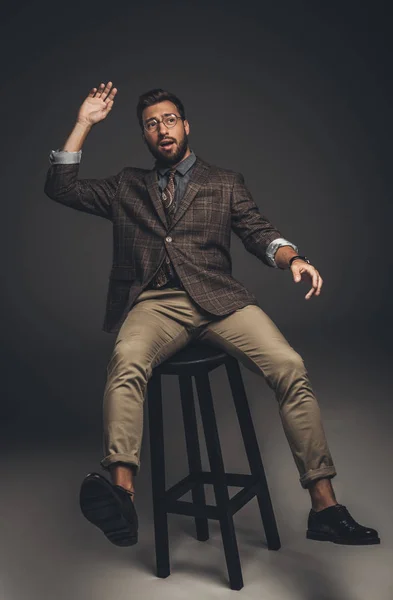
x=274, y=246
x=64, y=157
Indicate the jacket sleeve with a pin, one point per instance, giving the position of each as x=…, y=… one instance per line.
x=94, y=196
x=255, y=230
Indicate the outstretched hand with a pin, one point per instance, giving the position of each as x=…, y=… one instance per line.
x=97, y=105
x=302, y=271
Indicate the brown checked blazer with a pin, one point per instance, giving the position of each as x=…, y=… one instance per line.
x=215, y=203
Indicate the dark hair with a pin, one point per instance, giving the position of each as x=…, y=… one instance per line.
x=157, y=95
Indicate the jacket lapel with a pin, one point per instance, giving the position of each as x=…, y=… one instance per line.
x=155, y=195
x=198, y=177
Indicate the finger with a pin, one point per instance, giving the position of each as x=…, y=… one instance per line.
x=320, y=282
x=314, y=286
x=106, y=90
x=92, y=92
x=100, y=90
x=297, y=276
x=111, y=95
x=108, y=106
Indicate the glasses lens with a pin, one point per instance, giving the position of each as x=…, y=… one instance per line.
x=170, y=120
x=151, y=125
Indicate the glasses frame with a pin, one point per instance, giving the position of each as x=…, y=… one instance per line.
x=178, y=117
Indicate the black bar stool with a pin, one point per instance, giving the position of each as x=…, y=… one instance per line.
x=196, y=360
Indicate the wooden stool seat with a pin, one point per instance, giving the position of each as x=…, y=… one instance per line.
x=194, y=355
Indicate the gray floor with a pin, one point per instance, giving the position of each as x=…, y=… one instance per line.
x=50, y=551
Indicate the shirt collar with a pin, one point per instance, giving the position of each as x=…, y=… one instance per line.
x=182, y=167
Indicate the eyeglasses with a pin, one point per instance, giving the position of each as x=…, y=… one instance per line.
x=169, y=120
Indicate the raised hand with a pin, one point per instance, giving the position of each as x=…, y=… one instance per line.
x=97, y=105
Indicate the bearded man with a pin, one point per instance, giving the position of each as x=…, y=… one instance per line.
x=171, y=282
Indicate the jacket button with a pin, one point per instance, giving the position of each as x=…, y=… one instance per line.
x=168, y=238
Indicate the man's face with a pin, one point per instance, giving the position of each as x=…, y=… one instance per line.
x=167, y=154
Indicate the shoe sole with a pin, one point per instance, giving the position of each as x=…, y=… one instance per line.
x=102, y=508
x=326, y=537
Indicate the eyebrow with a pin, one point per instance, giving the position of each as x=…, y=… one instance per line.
x=163, y=114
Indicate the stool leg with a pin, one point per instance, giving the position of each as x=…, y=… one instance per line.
x=193, y=451
x=156, y=434
x=253, y=453
x=219, y=482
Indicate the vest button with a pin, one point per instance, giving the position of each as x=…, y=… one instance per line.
x=168, y=238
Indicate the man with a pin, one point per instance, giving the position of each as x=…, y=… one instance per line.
x=171, y=282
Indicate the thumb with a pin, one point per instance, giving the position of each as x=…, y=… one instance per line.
x=297, y=277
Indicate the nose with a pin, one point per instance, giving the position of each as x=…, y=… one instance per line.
x=162, y=128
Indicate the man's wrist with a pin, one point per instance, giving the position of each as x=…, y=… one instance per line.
x=77, y=137
x=283, y=256
x=299, y=257
x=274, y=246
x=83, y=125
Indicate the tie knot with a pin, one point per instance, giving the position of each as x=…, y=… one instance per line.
x=172, y=173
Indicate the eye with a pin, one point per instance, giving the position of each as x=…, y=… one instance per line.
x=151, y=125
x=171, y=120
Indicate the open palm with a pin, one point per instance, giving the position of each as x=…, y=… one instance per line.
x=98, y=104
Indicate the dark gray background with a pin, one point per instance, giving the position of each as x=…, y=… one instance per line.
x=297, y=96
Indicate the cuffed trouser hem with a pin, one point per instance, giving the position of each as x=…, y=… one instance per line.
x=120, y=458
x=314, y=474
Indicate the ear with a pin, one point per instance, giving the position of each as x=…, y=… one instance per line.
x=186, y=126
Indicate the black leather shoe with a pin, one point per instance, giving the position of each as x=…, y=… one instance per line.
x=335, y=524
x=110, y=508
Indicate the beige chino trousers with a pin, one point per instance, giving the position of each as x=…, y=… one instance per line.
x=163, y=321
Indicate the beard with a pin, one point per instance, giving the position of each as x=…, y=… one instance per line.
x=166, y=159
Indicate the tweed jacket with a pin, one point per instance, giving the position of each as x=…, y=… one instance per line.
x=197, y=242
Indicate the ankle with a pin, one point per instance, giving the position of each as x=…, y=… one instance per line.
x=322, y=494
x=126, y=486
x=321, y=506
x=122, y=475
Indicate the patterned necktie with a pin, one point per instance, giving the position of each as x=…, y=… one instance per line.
x=166, y=272
x=168, y=196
